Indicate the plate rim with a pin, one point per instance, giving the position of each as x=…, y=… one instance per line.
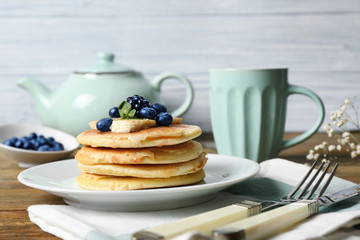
x=216, y=185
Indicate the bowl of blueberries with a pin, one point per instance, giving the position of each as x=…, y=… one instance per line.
x=32, y=145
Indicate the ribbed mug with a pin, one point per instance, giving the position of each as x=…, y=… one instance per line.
x=248, y=112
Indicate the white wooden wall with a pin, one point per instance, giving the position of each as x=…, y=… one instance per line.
x=318, y=40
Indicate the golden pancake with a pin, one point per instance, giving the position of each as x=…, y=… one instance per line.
x=102, y=182
x=153, y=155
x=148, y=170
x=151, y=137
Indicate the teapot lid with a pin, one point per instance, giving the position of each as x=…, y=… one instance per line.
x=106, y=64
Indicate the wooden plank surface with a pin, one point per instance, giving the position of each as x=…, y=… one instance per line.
x=15, y=197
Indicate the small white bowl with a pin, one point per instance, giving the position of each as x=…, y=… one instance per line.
x=29, y=158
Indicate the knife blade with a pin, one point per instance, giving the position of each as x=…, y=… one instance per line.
x=339, y=196
x=268, y=223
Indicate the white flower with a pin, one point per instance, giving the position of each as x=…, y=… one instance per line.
x=330, y=132
x=340, y=123
x=339, y=114
x=345, y=134
x=324, y=160
x=344, y=141
x=331, y=148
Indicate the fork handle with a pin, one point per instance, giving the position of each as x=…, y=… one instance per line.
x=268, y=223
x=204, y=222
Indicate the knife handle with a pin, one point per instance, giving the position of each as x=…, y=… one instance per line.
x=204, y=222
x=268, y=223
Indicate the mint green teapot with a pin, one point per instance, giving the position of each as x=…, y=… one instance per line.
x=89, y=93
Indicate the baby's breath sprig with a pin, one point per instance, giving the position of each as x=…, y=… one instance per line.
x=342, y=121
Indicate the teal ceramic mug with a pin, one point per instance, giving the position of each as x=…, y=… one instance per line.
x=248, y=112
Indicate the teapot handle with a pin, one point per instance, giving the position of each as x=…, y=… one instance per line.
x=182, y=109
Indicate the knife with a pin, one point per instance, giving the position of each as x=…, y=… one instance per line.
x=268, y=223
x=205, y=222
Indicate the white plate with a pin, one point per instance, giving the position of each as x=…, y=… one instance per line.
x=59, y=178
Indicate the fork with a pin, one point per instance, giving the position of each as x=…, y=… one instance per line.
x=295, y=195
x=266, y=224
x=206, y=222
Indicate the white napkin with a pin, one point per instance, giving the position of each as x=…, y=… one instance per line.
x=68, y=222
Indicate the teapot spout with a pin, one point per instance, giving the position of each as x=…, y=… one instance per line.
x=40, y=93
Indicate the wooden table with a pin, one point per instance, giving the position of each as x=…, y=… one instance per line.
x=15, y=197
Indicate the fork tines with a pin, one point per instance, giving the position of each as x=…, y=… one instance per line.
x=324, y=167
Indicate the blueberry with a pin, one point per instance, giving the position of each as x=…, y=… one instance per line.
x=159, y=108
x=44, y=148
x=11, y=142
x=136, y=97
x=27, y=145
x=104, y=124
x=8, y=143
x=41, y=139
x=18, y=144
x=138, y=107
x=164, y=119
x=32, y=135
x=36, y=145
x=147, y=112
x=58, y=147
x=114, y=112
x=132, y=102
x=144, y=102
x=35, y=142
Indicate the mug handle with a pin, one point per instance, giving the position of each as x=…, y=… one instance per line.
x=158, y=80
x=307, y=92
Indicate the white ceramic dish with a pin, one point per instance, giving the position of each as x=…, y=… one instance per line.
x=29, y=158
x=59, y=178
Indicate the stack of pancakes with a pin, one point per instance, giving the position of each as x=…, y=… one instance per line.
x=150, y=158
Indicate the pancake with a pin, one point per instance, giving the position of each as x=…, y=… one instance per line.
x=148, y=170
x=151, y=137
x=153, y=155
x=107, y=183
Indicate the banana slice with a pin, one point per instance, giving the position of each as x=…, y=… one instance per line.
x=132, y=125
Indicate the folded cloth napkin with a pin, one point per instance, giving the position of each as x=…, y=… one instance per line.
x=275, y=179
